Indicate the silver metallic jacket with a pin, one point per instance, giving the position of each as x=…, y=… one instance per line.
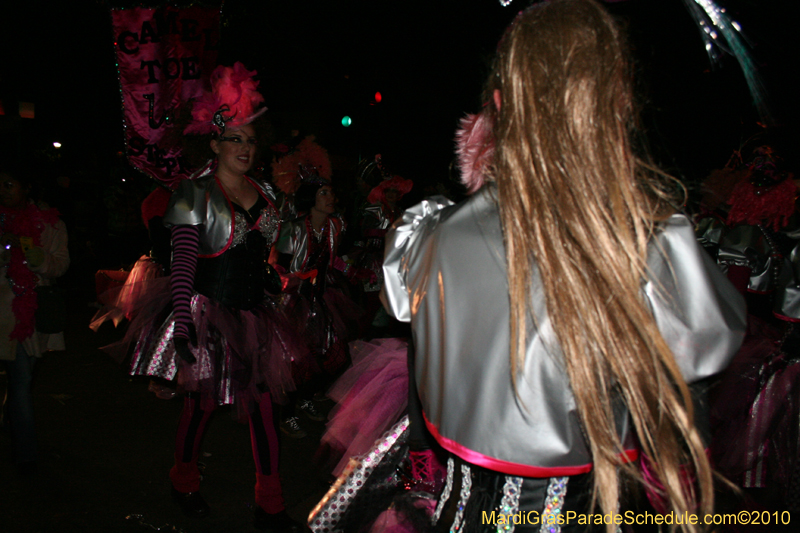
x=445, y=273
x=294, y=240
x=202, y=202
x=375, y=218
x=754, y=248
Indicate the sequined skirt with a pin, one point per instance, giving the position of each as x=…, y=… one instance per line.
x=239, y=353
x=369, y=497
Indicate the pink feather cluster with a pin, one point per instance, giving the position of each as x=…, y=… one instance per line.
x=474, y=150
x=233, y=87
x=286, y=169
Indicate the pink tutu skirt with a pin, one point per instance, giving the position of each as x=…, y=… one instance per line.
x=326, y=322
x=371, y=396
x=239, y=353
x=122, y=302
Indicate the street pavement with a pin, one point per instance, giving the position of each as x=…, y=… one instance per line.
x=106, y=444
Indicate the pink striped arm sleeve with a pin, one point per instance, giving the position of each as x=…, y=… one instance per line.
x=185, y=244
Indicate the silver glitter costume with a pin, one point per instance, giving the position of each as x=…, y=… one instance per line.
x=445, y=274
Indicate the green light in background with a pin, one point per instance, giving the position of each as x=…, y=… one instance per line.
x=346, y=121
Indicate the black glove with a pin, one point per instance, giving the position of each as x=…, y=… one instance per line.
x=183, y=350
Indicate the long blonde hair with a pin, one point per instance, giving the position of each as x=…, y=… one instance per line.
x=579, y=206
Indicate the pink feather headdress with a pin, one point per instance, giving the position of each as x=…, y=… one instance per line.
x=232, y=102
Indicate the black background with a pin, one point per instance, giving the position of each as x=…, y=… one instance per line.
x=321, y=60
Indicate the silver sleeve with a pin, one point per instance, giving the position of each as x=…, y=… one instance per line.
x=698, y=311
x=401, y=242
x=187, y=205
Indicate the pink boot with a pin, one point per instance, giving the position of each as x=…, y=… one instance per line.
x=427, y=474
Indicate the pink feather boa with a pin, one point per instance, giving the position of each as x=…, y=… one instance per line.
x=27, y=222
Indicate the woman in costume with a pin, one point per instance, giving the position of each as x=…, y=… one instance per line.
x=34, y=253
x=382, y=210
x=224, y=338
x=595, y=308
x=316, y=297
x=749, y=226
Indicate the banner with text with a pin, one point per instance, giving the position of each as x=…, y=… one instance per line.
x=164, y=57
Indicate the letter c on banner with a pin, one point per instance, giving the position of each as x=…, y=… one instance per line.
x=122, y=42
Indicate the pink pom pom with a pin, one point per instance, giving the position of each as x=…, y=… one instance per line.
x=475, y=149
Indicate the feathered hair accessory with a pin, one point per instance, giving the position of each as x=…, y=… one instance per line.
x=232, y=102
x=474, y=150
x=309, y=176
x=305, y=159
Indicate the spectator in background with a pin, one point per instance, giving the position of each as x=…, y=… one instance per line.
x=33, y=254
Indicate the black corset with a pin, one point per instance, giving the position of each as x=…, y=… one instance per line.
x=236, y=278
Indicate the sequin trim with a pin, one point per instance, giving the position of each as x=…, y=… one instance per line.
x=466, y=491
x=448, y=488
x=509, y=505
x=556, y=491
x=240, y=230
x=324, y=518
x=268, y=224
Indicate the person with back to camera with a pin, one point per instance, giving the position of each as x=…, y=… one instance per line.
x=225, y=340
x=33, y=254
x=559, y=313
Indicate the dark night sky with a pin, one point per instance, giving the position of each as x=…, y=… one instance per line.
x=319, y=60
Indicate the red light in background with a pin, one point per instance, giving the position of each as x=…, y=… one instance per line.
x=378, y=97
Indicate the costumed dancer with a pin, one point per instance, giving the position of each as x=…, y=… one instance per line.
x=749, y=226
x=382, y=210
x=223, y=337
x=316, y=295
x=596, y=305
x=290, y=156
x=34, y=253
